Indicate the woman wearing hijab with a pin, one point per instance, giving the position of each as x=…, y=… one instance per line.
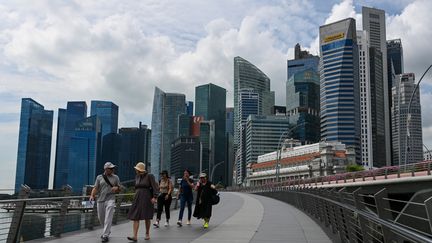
x=146, y=191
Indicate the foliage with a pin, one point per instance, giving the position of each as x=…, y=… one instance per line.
x=354, y=167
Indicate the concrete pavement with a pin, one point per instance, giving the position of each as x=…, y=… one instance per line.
x=237, y=218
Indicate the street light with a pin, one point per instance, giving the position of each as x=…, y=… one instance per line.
x=407, y=148
x=279, y=151
x=214, y=169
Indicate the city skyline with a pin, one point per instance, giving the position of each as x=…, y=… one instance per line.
x=131, y=115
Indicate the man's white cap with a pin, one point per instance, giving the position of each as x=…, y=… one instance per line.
x=109, y=165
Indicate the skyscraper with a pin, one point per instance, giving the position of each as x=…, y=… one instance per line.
x=85, y=145
x=371, y=103
x=394, y=59
x=107, y=112
x=189, y=108
x=34, y=145
x=210, y=103
x=185, y=154
x=402, y=91
x=247, y=75
x=374, y=24
x=230, y=120
x=166, y=110
x=339, y=81
x=67, y=121
x=302, y=96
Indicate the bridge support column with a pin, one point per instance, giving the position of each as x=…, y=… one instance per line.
x=364, y=225
x=63, y=211
x=17, y=217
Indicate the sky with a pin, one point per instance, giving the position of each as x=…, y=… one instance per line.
x=59, y=51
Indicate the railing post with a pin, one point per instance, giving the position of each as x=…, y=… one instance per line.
x=428, y=207
x=119, y=199
x=358, y=201
x=429, y=168
x=398, y=174
x=63, y=211
x=382, y=206
x=18, y=214
x=385, y=173
x=413, y=170
x=93, y=216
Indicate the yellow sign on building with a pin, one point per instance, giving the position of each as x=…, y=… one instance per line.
x=334, y=37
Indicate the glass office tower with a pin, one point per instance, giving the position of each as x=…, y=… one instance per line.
x=210, y=103
x=339, y=80
x=67, y=120
x=85, y=146
x=34, y=145
x=166, y=110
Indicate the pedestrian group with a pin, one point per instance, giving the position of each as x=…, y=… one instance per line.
x=148, y=192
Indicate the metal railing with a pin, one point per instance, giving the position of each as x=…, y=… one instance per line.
x=391, y=172
x=25, y=218
x=354, y=216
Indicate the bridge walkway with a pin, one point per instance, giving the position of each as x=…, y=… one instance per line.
x=237, y=218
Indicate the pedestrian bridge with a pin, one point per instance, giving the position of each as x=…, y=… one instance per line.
x=239, y=217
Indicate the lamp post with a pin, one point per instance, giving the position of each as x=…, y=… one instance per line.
x=407, y=148
x=214, y=169
x=279, y=151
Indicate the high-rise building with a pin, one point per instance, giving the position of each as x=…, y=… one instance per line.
x=263, y=134
x=210, y=103
x=185, y=154
x=247, y=75
x=189, y=108
x=404, y=120
x=67, y=120
x=125, y=149
x=279, y=110
x=34, y=145
x=230, y=152
x=339, y=84
x=85, y=146
x=374, y=24
x=394, y=59
x=302, y=96
x=230, y=120
x=107, y=112
x=166, y=110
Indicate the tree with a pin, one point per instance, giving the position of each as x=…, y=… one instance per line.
x=354, y=167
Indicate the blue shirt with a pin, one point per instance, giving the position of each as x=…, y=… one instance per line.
x=186, y=189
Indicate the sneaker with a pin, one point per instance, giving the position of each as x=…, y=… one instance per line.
x=156, y=224
x=166, y=224
x=179, y=223
x=206, y=225
x=188, y=222
x=105, y=239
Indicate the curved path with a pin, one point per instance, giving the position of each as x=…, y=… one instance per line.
x=237, y=218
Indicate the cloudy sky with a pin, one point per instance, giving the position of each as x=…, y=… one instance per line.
x=57, y=51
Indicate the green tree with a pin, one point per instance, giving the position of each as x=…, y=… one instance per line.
x=354, y=167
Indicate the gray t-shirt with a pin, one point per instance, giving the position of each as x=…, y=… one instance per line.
x=103, y=189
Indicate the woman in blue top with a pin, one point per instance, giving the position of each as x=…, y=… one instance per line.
x=186, y=196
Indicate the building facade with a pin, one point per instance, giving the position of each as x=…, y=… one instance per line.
x=210, y=103
x=34, y=145
x=263, y=135
x=185, y=154
x=339, y=84
x=84, y=151
x=303, y=95
x=375, y=25
x=107, y=112
x=247, y=75
x=404, y=120
x=301, y=162
x=166, y=110
x=67, y=119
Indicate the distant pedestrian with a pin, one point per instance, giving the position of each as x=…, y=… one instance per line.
x=146, y=191
x=164, y=200
x=203, y=205
x=186, y=197
x=105, y=188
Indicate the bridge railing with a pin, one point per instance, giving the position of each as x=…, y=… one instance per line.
x=25, y=218
x=384, y=173
x=356, y=217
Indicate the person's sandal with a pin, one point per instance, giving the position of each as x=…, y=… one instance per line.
x=132, y=239
x=147, y=237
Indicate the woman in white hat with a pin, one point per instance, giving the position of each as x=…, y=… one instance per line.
x=146, y=191
x=203, y=206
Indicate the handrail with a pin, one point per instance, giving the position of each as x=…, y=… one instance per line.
x=54, y=198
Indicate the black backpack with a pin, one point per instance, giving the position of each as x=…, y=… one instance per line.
x=215, y=199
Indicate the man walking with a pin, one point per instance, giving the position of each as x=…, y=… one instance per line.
x=106, y=186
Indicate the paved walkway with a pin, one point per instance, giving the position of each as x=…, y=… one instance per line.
x=238, y=218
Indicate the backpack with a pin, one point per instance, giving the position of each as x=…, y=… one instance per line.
x=215, y=198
